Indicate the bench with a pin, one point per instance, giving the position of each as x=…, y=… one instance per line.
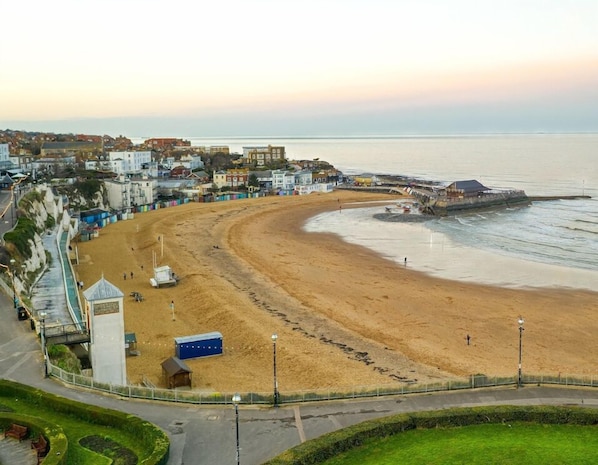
x=16, y=431
x=41, y=446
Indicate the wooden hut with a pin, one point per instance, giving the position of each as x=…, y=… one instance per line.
x=176, y=373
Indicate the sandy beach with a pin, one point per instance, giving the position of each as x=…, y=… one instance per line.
x=344, y=315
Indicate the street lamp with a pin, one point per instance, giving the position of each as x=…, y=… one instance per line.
x=274, y=339
x=236, y=400
x=12, y=278
x=520, y=321
x=42, y=319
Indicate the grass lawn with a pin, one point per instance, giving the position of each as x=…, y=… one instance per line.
x=77, y=429
x=504, y=444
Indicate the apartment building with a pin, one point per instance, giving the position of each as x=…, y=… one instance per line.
x=166, y=142
x=5, y=162
x=124, y=193
x=261, y=156
x=129, y=162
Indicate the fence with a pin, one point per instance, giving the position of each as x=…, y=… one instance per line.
x=253, y=398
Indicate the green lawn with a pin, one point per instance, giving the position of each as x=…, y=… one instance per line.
x=504, y=444
x=94, y=436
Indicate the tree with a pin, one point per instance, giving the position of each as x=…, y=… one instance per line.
x=253, y=180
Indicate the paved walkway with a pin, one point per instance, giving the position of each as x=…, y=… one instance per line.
x=206, y=434
x=13, y=452
x=48, y=294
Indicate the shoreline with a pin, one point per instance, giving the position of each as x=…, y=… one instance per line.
x=438, y=255
x=345, y=315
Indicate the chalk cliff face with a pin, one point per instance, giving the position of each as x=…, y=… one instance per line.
x=84, y=196
x=48, y=210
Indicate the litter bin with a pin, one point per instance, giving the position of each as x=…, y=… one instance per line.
x=22, y=313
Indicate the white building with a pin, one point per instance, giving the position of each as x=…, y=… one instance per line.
x=104, y=310
x=303, y=178
x=129, y=162
x=219, y=179
x=283, y=180
x=322, y=188
x=4, y=153
x=191, y=162
x=124, y=193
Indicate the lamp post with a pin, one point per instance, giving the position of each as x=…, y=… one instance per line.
x=12, y=205
x=236, y=400
x=12, y=278
x=520, y=321
x=42, y=320
x=274, y=339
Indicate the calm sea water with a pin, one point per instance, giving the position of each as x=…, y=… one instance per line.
x=551, y=243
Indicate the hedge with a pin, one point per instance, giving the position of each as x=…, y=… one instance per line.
x=331, y=444
x=149, y=436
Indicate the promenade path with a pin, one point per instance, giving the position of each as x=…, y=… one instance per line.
x=48, y=294
x=206, y=434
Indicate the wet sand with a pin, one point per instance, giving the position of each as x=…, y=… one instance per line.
x=344, y=315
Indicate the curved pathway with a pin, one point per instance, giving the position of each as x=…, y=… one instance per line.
x=206, y=434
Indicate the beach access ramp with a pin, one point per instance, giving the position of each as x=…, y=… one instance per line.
x=164, y=276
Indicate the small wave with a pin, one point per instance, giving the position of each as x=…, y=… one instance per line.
x=463, y=222
x=587, y=221
x=580, y=230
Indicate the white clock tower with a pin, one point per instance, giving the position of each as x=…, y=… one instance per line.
x=105, y=320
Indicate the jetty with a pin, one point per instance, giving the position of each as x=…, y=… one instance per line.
x=437, y=199
x=472, y=195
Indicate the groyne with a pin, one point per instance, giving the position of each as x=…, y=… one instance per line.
x=541, y=198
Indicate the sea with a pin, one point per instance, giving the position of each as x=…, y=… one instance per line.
x=548, y=244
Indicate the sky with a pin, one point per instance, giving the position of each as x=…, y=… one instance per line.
x=241, y=68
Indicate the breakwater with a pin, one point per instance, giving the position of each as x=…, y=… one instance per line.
x=558, y=197
x=443, y=205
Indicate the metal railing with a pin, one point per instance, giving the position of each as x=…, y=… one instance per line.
x=288, y=397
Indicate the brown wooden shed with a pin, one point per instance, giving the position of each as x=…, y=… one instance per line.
x=176, y=373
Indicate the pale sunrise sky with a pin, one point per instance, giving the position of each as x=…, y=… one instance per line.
x=292, y=68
